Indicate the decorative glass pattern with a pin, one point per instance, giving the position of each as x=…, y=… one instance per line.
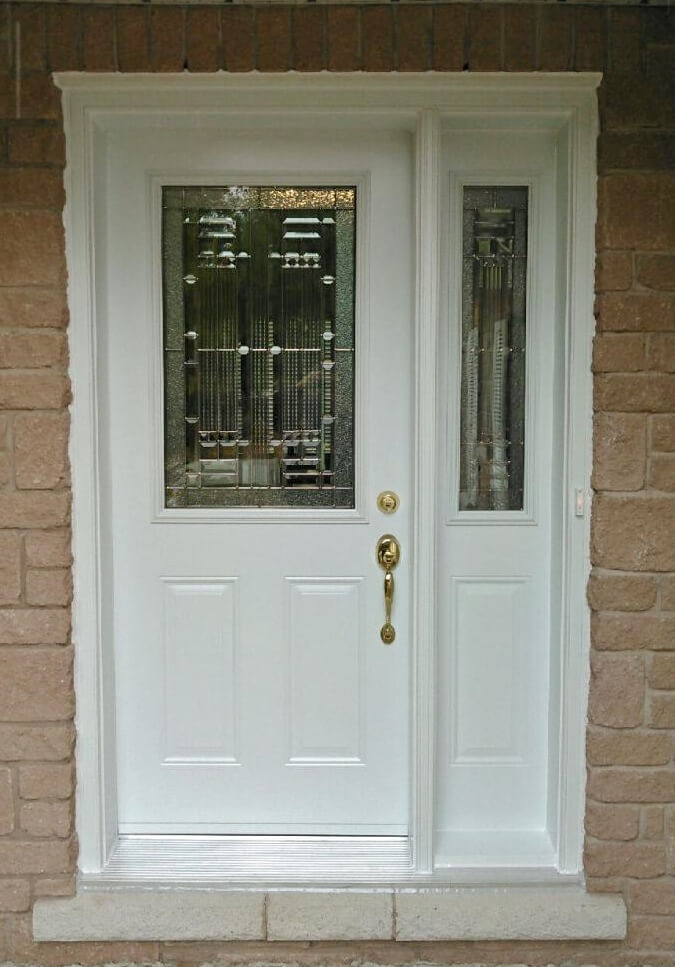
x=259, y=346
x=493, y=348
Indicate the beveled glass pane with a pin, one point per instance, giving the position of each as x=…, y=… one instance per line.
x=259, y=346
x=494, y=266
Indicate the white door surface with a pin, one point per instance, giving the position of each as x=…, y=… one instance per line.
x=254, y=694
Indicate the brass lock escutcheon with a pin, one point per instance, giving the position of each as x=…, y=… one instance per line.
x=388, y=556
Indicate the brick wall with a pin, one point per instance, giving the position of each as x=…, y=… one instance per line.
x=631, y=737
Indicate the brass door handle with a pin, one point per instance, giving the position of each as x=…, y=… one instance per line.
x=388, y=556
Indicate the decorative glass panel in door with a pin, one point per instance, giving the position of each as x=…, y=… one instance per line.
x=259, y=346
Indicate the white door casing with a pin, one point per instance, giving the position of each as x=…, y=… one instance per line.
x=94, y=107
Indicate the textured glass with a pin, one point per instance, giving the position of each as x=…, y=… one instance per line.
x=494, y=266
x=259, y=346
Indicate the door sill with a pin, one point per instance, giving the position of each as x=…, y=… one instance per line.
x=251, y=859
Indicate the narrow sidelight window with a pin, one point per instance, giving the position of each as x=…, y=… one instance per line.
x=259, y=346
x=494, y=265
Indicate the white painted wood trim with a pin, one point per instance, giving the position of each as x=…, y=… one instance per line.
x=563, y=913
x=539, y=100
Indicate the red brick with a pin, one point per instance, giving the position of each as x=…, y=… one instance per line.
x=630, y=632
x=36, y=683
x=625, y=28
x=485, y=38
x=609, y=591
x=635, y=312
x=46, y=819
x=520, y=28
x=656, y=271
x=14, y=895
x=167, y=39
x=32, y=348
x=31, y=18
x=645, y=149
x=616, y=691
x=6, y=801
x=48, y=549
x=627, y=748
x=238, y=28
x=53, y=781
x=40, y=447
x=619, y=353
x=32, y=510
x=633, y=534
x=42, y=307
x=555, y=37
x=631, y=785
x=413, y=37
x=634, y=392
x=612, y=822
x=662, y=435
x=202, y=39
x=637, y=211
x=31, y=249
x=98, y=43
x=377, y=33
x=309, y=38
x=343, y=38
x=31, y=742
x=273, y=34
x=34, y=626
x=652, y=933
x=5, y=38
x=639, y=860
x=40, y=98
x=657, y=897
x=19, y=856
x=32, y=390
x=132, y=39
x=33, y=144
x=10, y=568
x=449, y=26
x=661, y=711
x=63, y=37
x=590, y=36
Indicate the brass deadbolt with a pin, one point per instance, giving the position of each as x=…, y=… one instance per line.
x=388, y=502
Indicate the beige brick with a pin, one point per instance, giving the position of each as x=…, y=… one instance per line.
x=652, y=933
x=635, y=312
x=33, y=391
x=657, y=897
x=24, y=187
x=41, y=307
x=612, y=822
x=34, y=509
x=662, y=473
x=34, y=626
x=36, y=684
x=662, y=671
x=628, y=748
x=661, y=352
x=48, y=549
x=662, y=429
x=45, y=886
x=27, y=856
x=46, y=781
x=10, y=568
x=41, y=450
x=32, y=348
x=636, y=211
x=616, y=690
x=619, y=352
x=634, y=392
x=633, y=534
x=661, y=712
x=46, y=586
x=28, y=742
x=639, y=860
x=6, y=801
x=46, y=818
x=656, y=271
x=628, y=632
x=667, y=589
x=32, y=247
x=619, y=447
x=613, y=271
x=14, y=895
x=651, y=822
x=631, y=785
x=611, y=591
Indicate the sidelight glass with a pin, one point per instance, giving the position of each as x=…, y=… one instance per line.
x=258, y=286
x=494, y=267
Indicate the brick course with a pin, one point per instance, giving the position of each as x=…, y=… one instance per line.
x=630, y=819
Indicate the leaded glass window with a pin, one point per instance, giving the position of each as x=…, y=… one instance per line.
x=259, y=346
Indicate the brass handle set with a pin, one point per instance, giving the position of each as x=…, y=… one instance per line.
x=388, y=556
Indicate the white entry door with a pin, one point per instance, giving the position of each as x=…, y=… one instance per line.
x=257, y=288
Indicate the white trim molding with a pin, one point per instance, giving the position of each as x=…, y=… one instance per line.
x=105, y=907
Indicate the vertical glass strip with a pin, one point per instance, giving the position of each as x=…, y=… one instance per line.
x=492, y=424
x=259, y=346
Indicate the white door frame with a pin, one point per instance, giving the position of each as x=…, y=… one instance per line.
x=565, y=104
